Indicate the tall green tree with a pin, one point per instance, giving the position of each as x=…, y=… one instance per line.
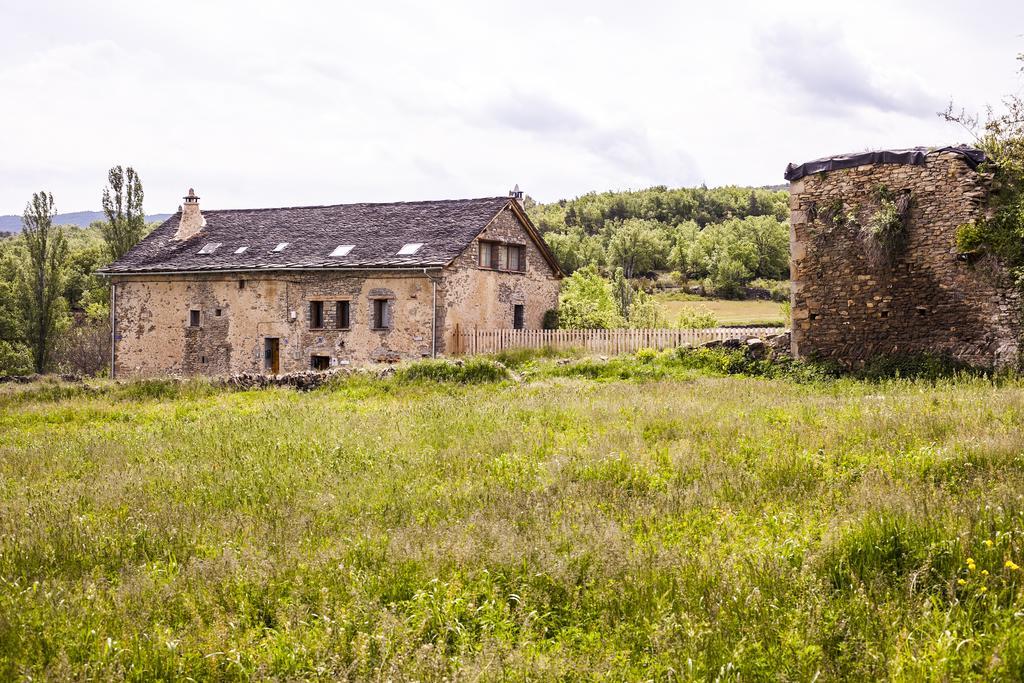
x=587, y=302
x=637, y=246
x=42, y=277
x=122, y=202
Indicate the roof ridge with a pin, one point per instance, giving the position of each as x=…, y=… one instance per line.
x=332, y=206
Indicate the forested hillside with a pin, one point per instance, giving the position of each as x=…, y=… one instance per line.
x=726, y=235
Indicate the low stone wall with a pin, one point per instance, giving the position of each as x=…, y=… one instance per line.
x=852, y=302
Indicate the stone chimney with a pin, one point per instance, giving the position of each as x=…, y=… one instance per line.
x=192, y=220
x=516, y=194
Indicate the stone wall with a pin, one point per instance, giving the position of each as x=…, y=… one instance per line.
x=484, y=299
x=852, y=302
x=239, y=311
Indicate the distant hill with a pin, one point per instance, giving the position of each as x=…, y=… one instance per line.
x=80, y=218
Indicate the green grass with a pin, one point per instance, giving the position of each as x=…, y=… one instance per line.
x=728, y=312
x=649, y=518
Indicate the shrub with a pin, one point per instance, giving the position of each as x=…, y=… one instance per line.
x=646, y=355
x=645, y=312
x=515, y=358
x=696, y=318
x=885, y=233
x=587, y=302
x=15, y=359
x=550, y=321
x=778, y=290
x=472, y=371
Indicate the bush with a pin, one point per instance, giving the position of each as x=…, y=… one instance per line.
x=15, y=359
x=550, y=319
x=696, y=318
x=587, y=302
x=646, y=355
x=472, y=371
x=778, y=290
x=516, y=358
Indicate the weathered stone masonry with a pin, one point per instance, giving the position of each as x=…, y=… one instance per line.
x=238, y=311
x=849, y=306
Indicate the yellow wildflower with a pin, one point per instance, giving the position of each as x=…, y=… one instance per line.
x=988, y=543
x=1010, y=564
x=961, y=582
x=984, y=572
x=982, y=589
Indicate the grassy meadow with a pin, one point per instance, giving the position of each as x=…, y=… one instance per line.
x=727, y=311
x=650, y=518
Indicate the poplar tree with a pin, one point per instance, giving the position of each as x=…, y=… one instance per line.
x=122, y=202
x=42, y=277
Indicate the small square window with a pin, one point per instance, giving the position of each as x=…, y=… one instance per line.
x=316, y=314
x=241, y=250
x=217, y=312
x=241, y=284
x=210, y=248
x=410, y=248
x=342, y=249
x=281, y=246
x=193, y=318
x=320, y=362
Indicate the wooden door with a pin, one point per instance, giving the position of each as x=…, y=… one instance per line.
x=272, y=355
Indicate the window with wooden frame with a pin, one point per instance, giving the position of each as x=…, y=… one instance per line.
x=518, y=316
x=342, y=315
x=193, y=318
x=490, y=254
x=381, y=314
x=316, y=315
x=516, y=258
x=502, y=256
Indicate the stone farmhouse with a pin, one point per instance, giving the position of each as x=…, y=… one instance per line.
x=855, y=297
x=282, y=290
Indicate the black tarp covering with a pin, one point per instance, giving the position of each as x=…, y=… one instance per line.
x=914, y=157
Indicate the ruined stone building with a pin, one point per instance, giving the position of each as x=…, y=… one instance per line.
x=875, y=264
x=282, y=290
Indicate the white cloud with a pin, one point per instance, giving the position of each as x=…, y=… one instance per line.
x=330, y=102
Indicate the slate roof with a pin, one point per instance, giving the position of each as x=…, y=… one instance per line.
x=377, y=231
x=914, y=156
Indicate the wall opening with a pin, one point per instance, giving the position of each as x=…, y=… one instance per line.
x=319, y=362
x=518, y=316
x=342, y=315
x=381, y=314
x=193, y=318
x=316, y=314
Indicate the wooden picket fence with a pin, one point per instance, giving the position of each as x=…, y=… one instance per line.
x=606, y=342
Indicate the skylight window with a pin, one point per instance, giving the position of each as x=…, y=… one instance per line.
x=241, y=250
x=342, y=250
x=281, y=246
x=210, y=248
x=410, y=249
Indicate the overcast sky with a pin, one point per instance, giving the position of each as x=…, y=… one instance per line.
x=288, y=103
